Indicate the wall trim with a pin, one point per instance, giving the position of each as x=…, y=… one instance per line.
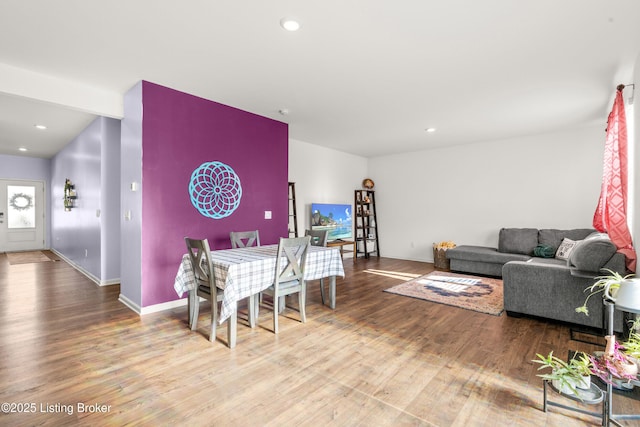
x=126, y=301
x=123, y=299
x=152, y=308
x=164, y=306
x=90, y=276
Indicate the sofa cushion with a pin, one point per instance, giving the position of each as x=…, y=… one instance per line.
x=553, y=237
x=565, y=248
x=549, y=261
x=592, y=253
x=482, y=254
x=518, y=240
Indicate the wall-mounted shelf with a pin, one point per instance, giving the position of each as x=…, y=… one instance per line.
x=70, y=195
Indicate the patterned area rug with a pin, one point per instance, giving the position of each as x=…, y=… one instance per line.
x=475, y=293
x=27, y=257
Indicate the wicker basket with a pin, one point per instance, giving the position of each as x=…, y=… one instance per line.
x=440, y=260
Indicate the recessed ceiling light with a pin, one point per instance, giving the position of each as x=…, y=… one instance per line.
x=22, y=149
x=41, y=127
x=430, y=130
x=283, y=111
x=289, y=24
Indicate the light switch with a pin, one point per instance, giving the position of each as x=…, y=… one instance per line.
x=267, y=214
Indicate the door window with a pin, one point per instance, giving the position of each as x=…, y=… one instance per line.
x=21, y=210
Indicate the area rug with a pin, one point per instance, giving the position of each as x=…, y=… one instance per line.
x=475, y=293
x=27, y=257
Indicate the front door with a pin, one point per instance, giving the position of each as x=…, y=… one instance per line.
x=21, y=215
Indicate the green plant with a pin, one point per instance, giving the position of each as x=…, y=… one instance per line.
x=631, y=347
x=610, y=281
x=582, y=363
x=564, y=375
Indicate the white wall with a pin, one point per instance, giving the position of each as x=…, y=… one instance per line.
x=467, y=193
x=322, y=175
x=634, y=179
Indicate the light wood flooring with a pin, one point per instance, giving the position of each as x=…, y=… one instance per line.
x=376, y=360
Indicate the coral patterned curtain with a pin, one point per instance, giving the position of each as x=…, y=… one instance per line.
x=611, y=213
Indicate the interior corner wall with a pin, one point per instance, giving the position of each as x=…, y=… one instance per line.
x=109, y=213
x=77, y=234
x=131, y=201
x=330, y=176
x=179, y=133
x=467, y=193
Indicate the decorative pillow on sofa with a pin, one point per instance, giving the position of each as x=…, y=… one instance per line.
x=592, y=253
x=553, y=236
x=565, y=248
x=518, y=240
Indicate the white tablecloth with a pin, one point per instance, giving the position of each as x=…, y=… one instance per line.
x=246, y=271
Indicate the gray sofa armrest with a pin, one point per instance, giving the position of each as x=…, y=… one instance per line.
x=547, y=290
x=616, y=263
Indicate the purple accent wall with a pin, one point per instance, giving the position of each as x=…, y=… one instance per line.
x=180, y=132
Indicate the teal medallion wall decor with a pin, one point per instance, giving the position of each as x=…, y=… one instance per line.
x=215, y=190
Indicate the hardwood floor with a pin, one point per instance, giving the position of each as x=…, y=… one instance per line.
x=377, y=360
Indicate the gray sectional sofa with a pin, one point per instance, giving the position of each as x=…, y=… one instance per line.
x=539, y=279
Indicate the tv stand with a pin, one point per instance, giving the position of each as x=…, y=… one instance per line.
x=341, y=243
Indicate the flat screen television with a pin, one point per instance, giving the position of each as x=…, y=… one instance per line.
x=334, y=217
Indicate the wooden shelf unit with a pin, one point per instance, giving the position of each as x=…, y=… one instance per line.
x=293, y=216
x=366, y=224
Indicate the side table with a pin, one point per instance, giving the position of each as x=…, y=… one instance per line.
x=593, y=396
x=610, y=417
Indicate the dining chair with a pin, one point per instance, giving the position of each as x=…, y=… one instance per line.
x=243, y=239
x=289, y=276
x=318, y=238
x=200, y=255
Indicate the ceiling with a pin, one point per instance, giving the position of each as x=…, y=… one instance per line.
x=362, y=76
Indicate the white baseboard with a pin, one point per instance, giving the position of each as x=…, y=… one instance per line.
x=152, y=308
x=90, y=276
x=164, y=306
x=126, y=301
x=123, y=299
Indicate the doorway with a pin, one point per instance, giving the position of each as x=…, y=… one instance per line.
x=22, y=215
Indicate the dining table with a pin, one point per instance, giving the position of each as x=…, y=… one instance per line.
x=243, y=272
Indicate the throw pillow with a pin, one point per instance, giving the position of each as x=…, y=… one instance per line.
x=565, y=248
x=544, y=251
x=592, y=253
x=553, y=237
